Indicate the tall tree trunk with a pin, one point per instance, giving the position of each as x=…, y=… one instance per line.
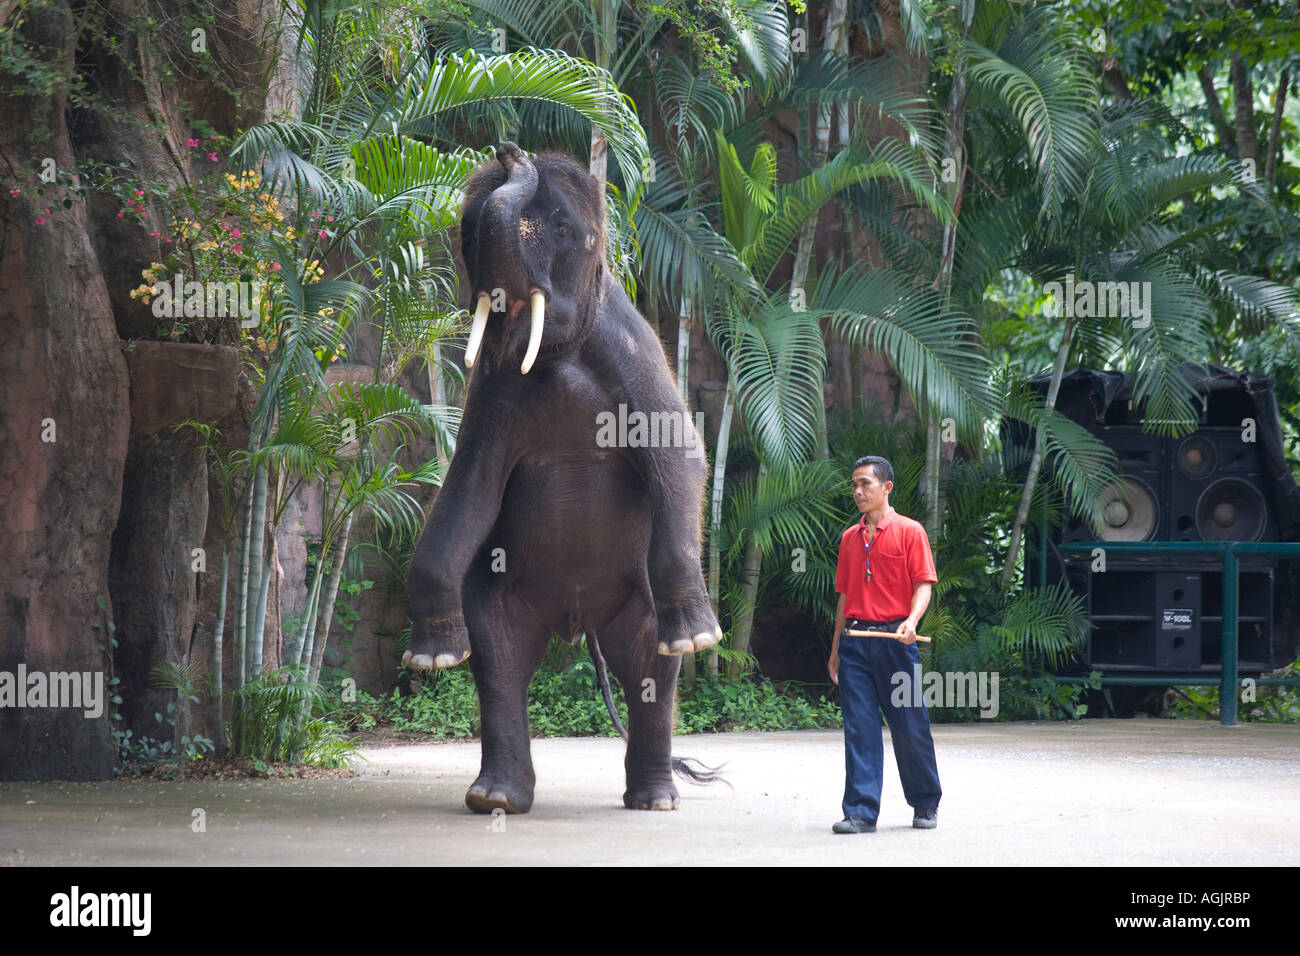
x=715, y=512
x=218, y=634
x=1217, y=116
x=834, y=36
x=1275, y=129
x=684, y=388
x=237, y=655
x=954, y=163
x=331, y=595
x=749, y=578
x=1035, y=461
x=256, y=567
x=1243, y=107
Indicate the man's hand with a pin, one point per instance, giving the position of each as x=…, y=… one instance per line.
x=907, y=631
x=833, y=665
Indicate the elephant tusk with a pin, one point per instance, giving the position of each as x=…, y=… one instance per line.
x=476, y=331
x=535, y=335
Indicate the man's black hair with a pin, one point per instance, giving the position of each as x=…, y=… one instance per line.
x=880, y=467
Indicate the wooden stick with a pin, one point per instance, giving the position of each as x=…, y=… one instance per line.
x=896, y=637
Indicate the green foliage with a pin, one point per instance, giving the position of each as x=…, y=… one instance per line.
x=567, y=702
x=719, y=705
x=280, y=720
x=1272, y=704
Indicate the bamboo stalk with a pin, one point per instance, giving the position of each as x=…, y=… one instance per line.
x=218, y=634
x=331, y=595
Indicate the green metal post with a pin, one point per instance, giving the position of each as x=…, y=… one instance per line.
x=1228, y=678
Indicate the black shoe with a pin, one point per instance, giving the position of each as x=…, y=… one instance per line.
x=926, y=819
x=853, y=825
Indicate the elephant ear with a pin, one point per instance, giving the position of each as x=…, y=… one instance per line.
x=482, y=183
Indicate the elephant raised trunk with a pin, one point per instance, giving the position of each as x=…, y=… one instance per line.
x=499, y=230
x=500, y=237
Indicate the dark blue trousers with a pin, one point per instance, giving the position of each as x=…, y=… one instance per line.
x=867, y=665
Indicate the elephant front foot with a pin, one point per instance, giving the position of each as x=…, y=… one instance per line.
x=495, y=793
x=651, y=796
x=685, y=630
x=437, y=642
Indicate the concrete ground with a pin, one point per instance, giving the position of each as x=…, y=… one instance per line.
x=1110, y=792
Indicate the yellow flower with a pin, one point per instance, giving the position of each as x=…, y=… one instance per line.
x=207, y=246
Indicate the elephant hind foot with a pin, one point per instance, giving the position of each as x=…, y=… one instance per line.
x=437, y=642
x=685, y=630
x=651, y=797
x=485, y=796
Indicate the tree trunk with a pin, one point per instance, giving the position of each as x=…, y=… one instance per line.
x=218, y=634
x=1035, y=461
x=331, y=595
x=1275, y=129
x=749, y=578
x=256, y=610
x=954, y=162
x=715, y=512
x=1243, y=107
x=1217, y=115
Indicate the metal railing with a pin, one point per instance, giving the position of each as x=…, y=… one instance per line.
x=1229, y=553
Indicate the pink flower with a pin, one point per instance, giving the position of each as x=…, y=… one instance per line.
x=121, y=213
x=139, y=192
x=239, y=247
x=235, y=233
x=323, y=234
x=167, y=238
x=330, y=219
x=275, y=267
x=154, y=235
x=47, y=212
x=144, y=215
x=191, y=142
x=15, y=193
x=212, y=156
x=40, y=220
x=213, y=136
x=313, y=215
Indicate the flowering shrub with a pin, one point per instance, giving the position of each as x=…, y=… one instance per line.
x=222, y=229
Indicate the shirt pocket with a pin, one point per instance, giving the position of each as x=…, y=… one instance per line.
x=890, y=550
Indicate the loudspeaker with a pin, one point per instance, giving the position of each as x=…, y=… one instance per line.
x=1156, y=616
x=1218, y=489
x=1133, y=508
x=1208, y=486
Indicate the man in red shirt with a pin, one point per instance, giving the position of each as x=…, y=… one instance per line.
x=883, y=578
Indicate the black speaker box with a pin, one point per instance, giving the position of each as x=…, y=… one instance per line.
x=1169, y=615
x=1208, y=486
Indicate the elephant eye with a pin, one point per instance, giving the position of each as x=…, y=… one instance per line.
x=563, y=229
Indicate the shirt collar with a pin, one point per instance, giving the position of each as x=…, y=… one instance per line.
x=887, y=517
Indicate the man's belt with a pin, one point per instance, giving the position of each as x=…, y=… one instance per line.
x=858, y=624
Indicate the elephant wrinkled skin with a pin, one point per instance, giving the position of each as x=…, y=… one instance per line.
x=541, y=527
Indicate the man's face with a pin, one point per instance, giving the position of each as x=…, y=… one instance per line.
x=868, y=493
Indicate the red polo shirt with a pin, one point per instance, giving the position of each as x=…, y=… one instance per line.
x=900, y=560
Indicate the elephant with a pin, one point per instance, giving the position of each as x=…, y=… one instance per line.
x=543, y=525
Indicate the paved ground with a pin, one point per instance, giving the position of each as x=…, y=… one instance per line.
x=1096, y=792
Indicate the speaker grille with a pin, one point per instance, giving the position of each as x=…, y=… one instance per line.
x=1231, y=510
x=1128, y=511
x=1197, y=457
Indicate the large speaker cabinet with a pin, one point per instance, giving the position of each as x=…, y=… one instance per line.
x=1208, y=486
x=1164, y=614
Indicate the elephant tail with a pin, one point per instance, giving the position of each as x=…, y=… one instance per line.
x=681, y=765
